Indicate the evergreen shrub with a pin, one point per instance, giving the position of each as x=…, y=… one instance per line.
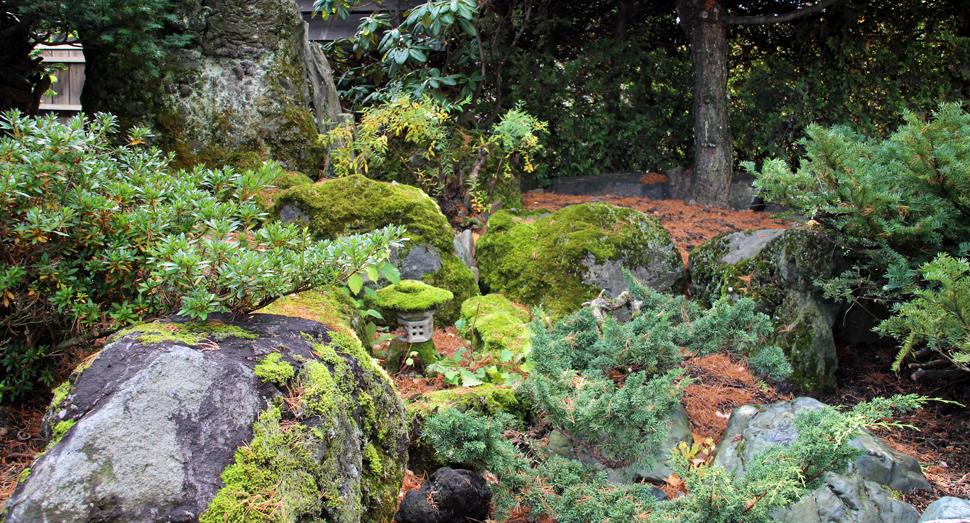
x=94, y=236
x=610, y=388
x=894, y=205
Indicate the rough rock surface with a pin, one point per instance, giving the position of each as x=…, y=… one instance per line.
x=356, y=204
x=635, y=472
x=947, y=509
x=249, y=84
x=566, y=258
x=752, y=428
x=848, y=499
x=778, y=270
x=147, y=429
x=449, y=496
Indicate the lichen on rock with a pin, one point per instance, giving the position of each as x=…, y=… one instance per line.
x=561, y=260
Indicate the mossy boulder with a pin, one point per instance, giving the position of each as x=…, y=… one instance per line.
x=248, y=86
x=566, y=258
x=485, y=399
x=493, y=323
x=356, y=204
x=227, y=421
x=778, y=269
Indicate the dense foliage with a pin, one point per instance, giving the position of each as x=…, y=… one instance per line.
x=893, y=205
x=462, y=169
x=613, y=403
x=94, y=237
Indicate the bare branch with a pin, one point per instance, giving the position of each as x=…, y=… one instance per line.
x=777, y=19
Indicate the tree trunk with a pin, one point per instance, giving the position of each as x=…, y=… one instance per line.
x=705, y=23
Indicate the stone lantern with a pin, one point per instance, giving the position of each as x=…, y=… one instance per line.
x=414, y=303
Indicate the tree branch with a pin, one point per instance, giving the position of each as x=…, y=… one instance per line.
x=777, y=19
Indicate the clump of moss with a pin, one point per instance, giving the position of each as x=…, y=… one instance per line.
x=24, y=474
x=494, y=323
x=273, y=370
x=220, y=332
x=60, y=430
x=158, y=332
x=411, y=295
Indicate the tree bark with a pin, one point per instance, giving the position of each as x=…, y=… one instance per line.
x=705, y=23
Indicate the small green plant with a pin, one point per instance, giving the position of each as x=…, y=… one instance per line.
x=468, y=368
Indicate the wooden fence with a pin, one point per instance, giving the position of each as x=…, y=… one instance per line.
x=67, y=100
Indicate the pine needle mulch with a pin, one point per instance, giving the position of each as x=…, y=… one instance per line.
x=20, y=442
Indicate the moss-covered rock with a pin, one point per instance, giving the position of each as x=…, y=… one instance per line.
x=356, y=204
x=564, y=259
x=494, y=323
x=778, y=269
x=149, y=431
x=248, y=86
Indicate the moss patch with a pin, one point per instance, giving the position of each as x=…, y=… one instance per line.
x=273, y=370
x=494, y=323
x=411, y=295
x=546, y=262
x=59, y=431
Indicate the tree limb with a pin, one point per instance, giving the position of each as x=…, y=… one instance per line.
x=777, y=19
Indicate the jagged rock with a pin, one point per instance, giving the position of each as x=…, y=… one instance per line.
x=149, y=431
x=752, y=428
x=566, y=258
x=778, y=270
x=449, y=496
x=848, y=499
x=947, y=509
x=356, y=204
x=248, y=85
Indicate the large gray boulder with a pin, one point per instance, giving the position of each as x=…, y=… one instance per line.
x=565, y=258
x=753, y=428
x=177, y=422
x=848, y=499
x=778, y=269
x=947, y=509
x=248, y=85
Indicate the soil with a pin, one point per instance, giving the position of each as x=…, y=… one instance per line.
x=938, y=436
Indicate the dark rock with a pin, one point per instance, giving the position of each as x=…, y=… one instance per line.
x=449, y=496
x=149, y=427
x=619, y=184
x=421, y=260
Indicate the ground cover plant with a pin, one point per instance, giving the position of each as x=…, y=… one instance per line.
x=609, y=388
x=95, y=236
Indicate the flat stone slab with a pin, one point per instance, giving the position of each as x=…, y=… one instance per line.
x=619, y=184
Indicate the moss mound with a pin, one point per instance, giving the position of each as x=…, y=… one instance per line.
x=494, y=323
x=564, y=259
x=356, y=204
x=411, y=295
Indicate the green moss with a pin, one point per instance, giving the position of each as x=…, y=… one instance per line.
x=356, y=204
x=60, y=393
x=220, y=332
x=59, y=431
x=494, y=323
x=273, y=370
x=544, y=263
x=399, y=351
x=411, y=295
x=291, y=179
x=372, y=460
x=349, y=344
x=24, y=474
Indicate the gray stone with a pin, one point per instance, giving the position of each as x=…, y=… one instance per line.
x=947, y=509
x=752, y=429
x=421, y=260
x=157, y=418
x=744, y=246
x=249, y=81
x=848, y=499
x=778, y=270
x=465, y=250
x=741, y=193
x=617, y=184
x=292, y=213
